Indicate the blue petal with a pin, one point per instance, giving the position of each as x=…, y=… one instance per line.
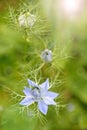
x=52, y=94
x=27, y=101
x=49, y=101
x=27, y=91
x=42, y=107
x=31, y=83
x=45, y=85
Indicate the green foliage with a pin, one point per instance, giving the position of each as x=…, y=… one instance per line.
x=20, y=59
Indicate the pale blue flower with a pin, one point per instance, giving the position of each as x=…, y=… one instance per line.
x=40, y=94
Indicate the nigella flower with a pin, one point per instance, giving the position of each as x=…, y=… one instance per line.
x=46, y=55
x=39, y=94
x=27, y=20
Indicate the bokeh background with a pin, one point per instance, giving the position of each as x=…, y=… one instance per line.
x=64, y=31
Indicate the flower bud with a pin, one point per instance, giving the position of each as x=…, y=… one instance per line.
x=46, y=55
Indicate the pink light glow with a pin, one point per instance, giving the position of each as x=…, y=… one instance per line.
x=70, y=8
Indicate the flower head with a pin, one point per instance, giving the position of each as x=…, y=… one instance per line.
x=39, y=94
x=27, y=19
x=47, y=55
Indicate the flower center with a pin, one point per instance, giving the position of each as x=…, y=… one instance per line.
x=36, y=94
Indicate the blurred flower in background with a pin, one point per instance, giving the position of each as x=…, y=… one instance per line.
x=27, y=20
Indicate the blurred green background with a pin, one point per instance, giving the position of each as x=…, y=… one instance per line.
x=18, y=56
